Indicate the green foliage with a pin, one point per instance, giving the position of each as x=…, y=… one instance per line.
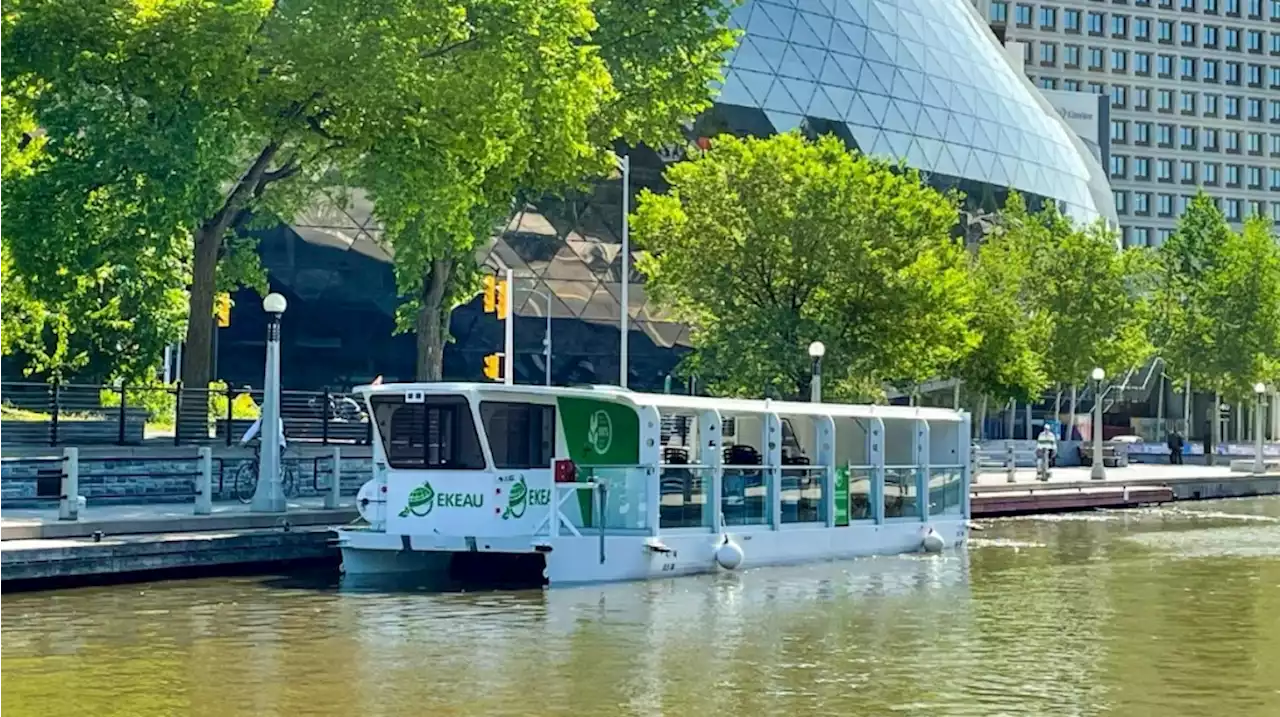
x=160, y=402
x=764, y=245
x=1218, y=301
x=1009, y=359
x=1095, y=297
x=171, y=124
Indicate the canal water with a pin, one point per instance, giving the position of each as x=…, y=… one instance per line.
x=1170, y=611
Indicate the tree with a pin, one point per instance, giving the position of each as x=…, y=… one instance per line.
x=1218, y=299
x=172, y=124
x=554, y=116
x=1008, y=362
x=764, y=245
x=1096, y=298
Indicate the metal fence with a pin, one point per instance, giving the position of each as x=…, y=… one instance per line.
x=59, y=414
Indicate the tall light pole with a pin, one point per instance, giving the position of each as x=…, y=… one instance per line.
x=546, y=335
x=624, y=164
x=1259, y=408
x=1099, y=470
x=816, y=351
x=268, y=496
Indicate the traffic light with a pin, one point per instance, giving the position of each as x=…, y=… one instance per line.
x=492, y=368
x=490, y=294
x=502, y=300
x=222, y=308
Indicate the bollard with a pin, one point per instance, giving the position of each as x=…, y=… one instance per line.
x=1010, y=463
x=204, y=482
x=335, y=480
x=69, y=501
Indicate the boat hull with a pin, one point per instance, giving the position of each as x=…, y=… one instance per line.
x=586, y=559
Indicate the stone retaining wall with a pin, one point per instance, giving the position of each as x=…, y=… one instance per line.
x=164, y=480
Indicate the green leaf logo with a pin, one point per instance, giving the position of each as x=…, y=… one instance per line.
x=517, y=500
x=421, y=500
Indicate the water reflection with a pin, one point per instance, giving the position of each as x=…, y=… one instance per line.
x=1169, y=612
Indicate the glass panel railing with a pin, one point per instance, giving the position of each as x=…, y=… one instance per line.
x=802, y=495
x=900, y=492
x=946, y=490
x=626, y=498
x=744, y=498
x=685, y=496
x=861, y=497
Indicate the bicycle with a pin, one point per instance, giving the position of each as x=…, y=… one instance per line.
x=246, y=478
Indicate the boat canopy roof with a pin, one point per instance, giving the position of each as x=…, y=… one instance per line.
x=667, y=403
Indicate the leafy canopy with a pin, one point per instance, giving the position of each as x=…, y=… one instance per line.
x=765, y=245
x=1217, y=301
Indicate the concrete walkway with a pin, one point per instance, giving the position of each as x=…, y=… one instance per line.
x=43, y=523
x=1133, y=474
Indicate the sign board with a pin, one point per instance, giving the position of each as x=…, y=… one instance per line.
x=1088, y=115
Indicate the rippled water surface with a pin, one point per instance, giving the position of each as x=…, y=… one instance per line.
x=1172, y=611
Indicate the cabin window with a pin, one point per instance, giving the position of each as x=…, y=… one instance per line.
x=437, y=434
x=521, y=435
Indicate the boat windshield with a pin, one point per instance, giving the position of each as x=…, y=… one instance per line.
x=435, y=434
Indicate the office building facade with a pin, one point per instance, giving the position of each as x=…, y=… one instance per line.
x=1194, y=93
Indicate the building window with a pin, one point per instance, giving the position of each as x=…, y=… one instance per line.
x=1231, y=208
x=1210, y=36
x=1095, y=58
x=1164, y=100
x=1232, y=141
x=1231, y=107
x=999, y=12
x=1164, y=135
x=1142, y=133
x=1049, y=83
x=1163, y=236
x=1071, y=55
x=1164, y=32
x=1141, y=202
x=1048, y=54
x=1164, y=205
x=1095, y=23
x=1232, y=175
x=1255, y=177
x=1118, y=162
x=1118, y=130
x=1048, y=18
x=1209, y=171
x=1142, y=29
x=1188, y=103
x=1164, y=170
x=1119, y=26
x=1119, y=197
x=1118, y=60
x=1232, y=39
x=1210, y=105
x=1071, y=20
x=1188, y=5
x=1142, y=168
x=1142, y=63
x=1164, y=65
x=1022, y=15
x=1273, y=178
x=1209, y=69
x=1210, y=137
x=1119, y=96
x=1233, y=73
x=1255, y=143
x=1188, y=33
x=1188, y=171
x=1187, y=137
x=1071, y=85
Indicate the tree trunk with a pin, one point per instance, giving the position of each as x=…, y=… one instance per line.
x=1057, y=409
x=433, y=321
x=197, y=351
x=982, y=418
x=197, y=357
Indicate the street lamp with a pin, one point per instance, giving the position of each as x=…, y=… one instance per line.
x=624, y=165
x=1099, y=470
x=1259, y=392
x=546, y=335
x=268, y=497
x=816, y=351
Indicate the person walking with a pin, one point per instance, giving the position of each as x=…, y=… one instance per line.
x=1175, y=443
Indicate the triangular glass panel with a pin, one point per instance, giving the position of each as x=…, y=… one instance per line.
x=741, y=16
x=876, y=77
x=749, y=58
x=935, y=92
x=771, y=51
x=840, y=99
x=852, y=10
x=793, y=67
x=910, y=26
x=899, y=141
x=801, y=92
x=881, y=48
x=946, y=163
x=1000, y=173
x=915, y=156
x=878, y=18
x=802, y=33
x=971, y=168
x=851, y=67
x=910, y=54
x=881, y=147
x=832, y=75
x=877, y=106
x=959, y=129
x=960, y=103
x=782, y=17
x=814, y=7
x=896, y=119
x=757, y=85
x=822, y=106
x=933, y=123
x=845, y=39
x=902, y=88
x=931, y=149
x=780, y=100
x=735, y=92
x=761, y=25
x=812, y=58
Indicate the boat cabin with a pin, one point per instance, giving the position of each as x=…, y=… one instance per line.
x=462, y=459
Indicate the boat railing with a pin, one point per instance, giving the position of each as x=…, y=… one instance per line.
x=684, y=496
x=744, y=494
x=802, y=489
x=901, y=491
x=946, y=490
